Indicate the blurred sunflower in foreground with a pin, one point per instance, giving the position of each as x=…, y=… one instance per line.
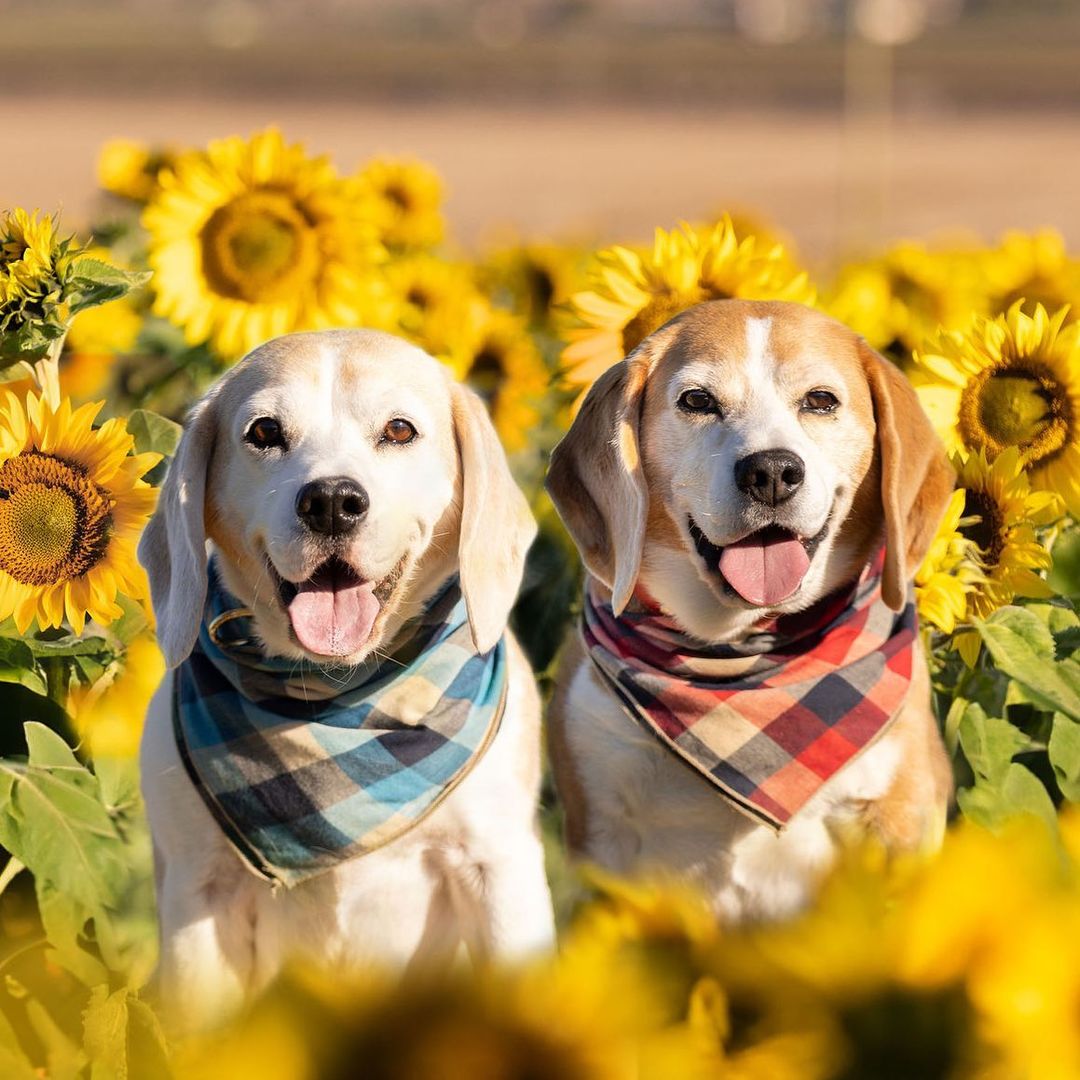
x=408, y=198
x=632, y=294
x=72, y=507
x=252, y=239
x=1011, y=381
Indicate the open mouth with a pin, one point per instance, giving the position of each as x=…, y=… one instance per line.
x=766, y=567
x=333, y=612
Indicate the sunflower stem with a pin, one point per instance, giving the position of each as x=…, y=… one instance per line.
x=47, y=372
x=10, y=872
x=55, y=680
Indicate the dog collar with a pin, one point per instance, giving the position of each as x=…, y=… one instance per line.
x=770, y=720
x=304, y=766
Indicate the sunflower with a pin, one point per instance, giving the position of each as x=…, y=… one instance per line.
x=72, y=506
x=408, y=195
x=109, y=716
x=535, y=278
x=130, y=169
x=634, y=293
x=34, y=265
x=897, y=300
x=1000, y=517
x=439, y=306
x=503, y=365
x=945, y=577
x=1034, y=269
x=252, y=239
x=1010, y=381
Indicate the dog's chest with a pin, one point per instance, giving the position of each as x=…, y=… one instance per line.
x=647, y=808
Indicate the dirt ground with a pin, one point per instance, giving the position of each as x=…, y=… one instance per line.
x=612, y=172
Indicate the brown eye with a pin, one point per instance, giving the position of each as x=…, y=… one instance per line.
x=697, y=400
x=820, y=401
x=265, y=433
x=399, y=431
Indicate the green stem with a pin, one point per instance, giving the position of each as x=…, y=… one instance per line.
x=22, y=950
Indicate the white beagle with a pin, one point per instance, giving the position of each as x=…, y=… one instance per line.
x=345, y=484
x=746, y=463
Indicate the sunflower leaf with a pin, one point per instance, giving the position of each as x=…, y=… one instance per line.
x=989, y=743
x=18, y=665
x=1065, y=755
x=1022, y=646
x=91, y=282
x=53, y=820
x=105, y=1030
x=153, y=433
x=1019, y=792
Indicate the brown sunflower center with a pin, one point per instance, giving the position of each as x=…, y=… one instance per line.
x=982, y=523
x=654, y=314
x=260, y=247
x=486, y=374
x=1023, y=406
x=54, y=521
x=399, y=196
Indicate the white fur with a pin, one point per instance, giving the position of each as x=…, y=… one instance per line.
x=472, y=873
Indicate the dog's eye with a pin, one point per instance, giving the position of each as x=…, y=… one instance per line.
x=265, y=432
x=696, y=400
x=820, y=401
x=399, y=431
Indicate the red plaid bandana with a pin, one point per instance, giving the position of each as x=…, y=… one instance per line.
x=771, y=719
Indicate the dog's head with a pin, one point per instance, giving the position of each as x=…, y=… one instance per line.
x=341, y=476
x=749, y=457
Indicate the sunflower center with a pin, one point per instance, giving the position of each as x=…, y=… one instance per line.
x=982, y=524
x=400, y=196
x=1023, y=407
x=486, y=375
x=654, y=314
x=260, y=247
x=54, y=522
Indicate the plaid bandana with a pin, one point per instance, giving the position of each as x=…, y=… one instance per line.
x=769, y=720
x=304, y=766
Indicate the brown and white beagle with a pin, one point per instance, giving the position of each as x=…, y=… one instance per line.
x=744, y=462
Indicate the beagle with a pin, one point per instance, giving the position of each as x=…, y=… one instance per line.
x=748, y=685
x=342, y=762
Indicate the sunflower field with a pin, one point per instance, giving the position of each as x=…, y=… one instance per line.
x=963, y=963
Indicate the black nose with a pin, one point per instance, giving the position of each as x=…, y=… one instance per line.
x=333, y=506
x=770, y=476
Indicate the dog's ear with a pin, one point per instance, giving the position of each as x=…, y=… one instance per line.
x=497, y=525
x=173, y=545
x=596, y=481
x=916, y=477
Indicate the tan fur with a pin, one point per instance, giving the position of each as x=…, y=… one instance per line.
x=628, y=474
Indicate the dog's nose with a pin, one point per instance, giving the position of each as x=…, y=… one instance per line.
x=770, y=476
x=333, y=506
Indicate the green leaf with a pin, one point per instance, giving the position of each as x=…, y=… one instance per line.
x=105, y=1030
x=53, y=820
x=1022, y=646
x=1064, y=575
x=64, y=919
x=70, y=645
x=989, y=743
x=18, y=665
x=154, y=433
x=92, y=282
x=1064, y=752
x=1019, y=792
x=65, y=1059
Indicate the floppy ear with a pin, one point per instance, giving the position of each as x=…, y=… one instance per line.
x=596, y=481
x=497, y=525
x=173, y=545
x=916, y=477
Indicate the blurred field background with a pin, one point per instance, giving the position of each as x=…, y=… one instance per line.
x=847, y=123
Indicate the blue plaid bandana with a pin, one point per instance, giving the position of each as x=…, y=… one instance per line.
x=304, y=766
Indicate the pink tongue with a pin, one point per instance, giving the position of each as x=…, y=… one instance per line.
x=332, y=616
x=764, y=569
